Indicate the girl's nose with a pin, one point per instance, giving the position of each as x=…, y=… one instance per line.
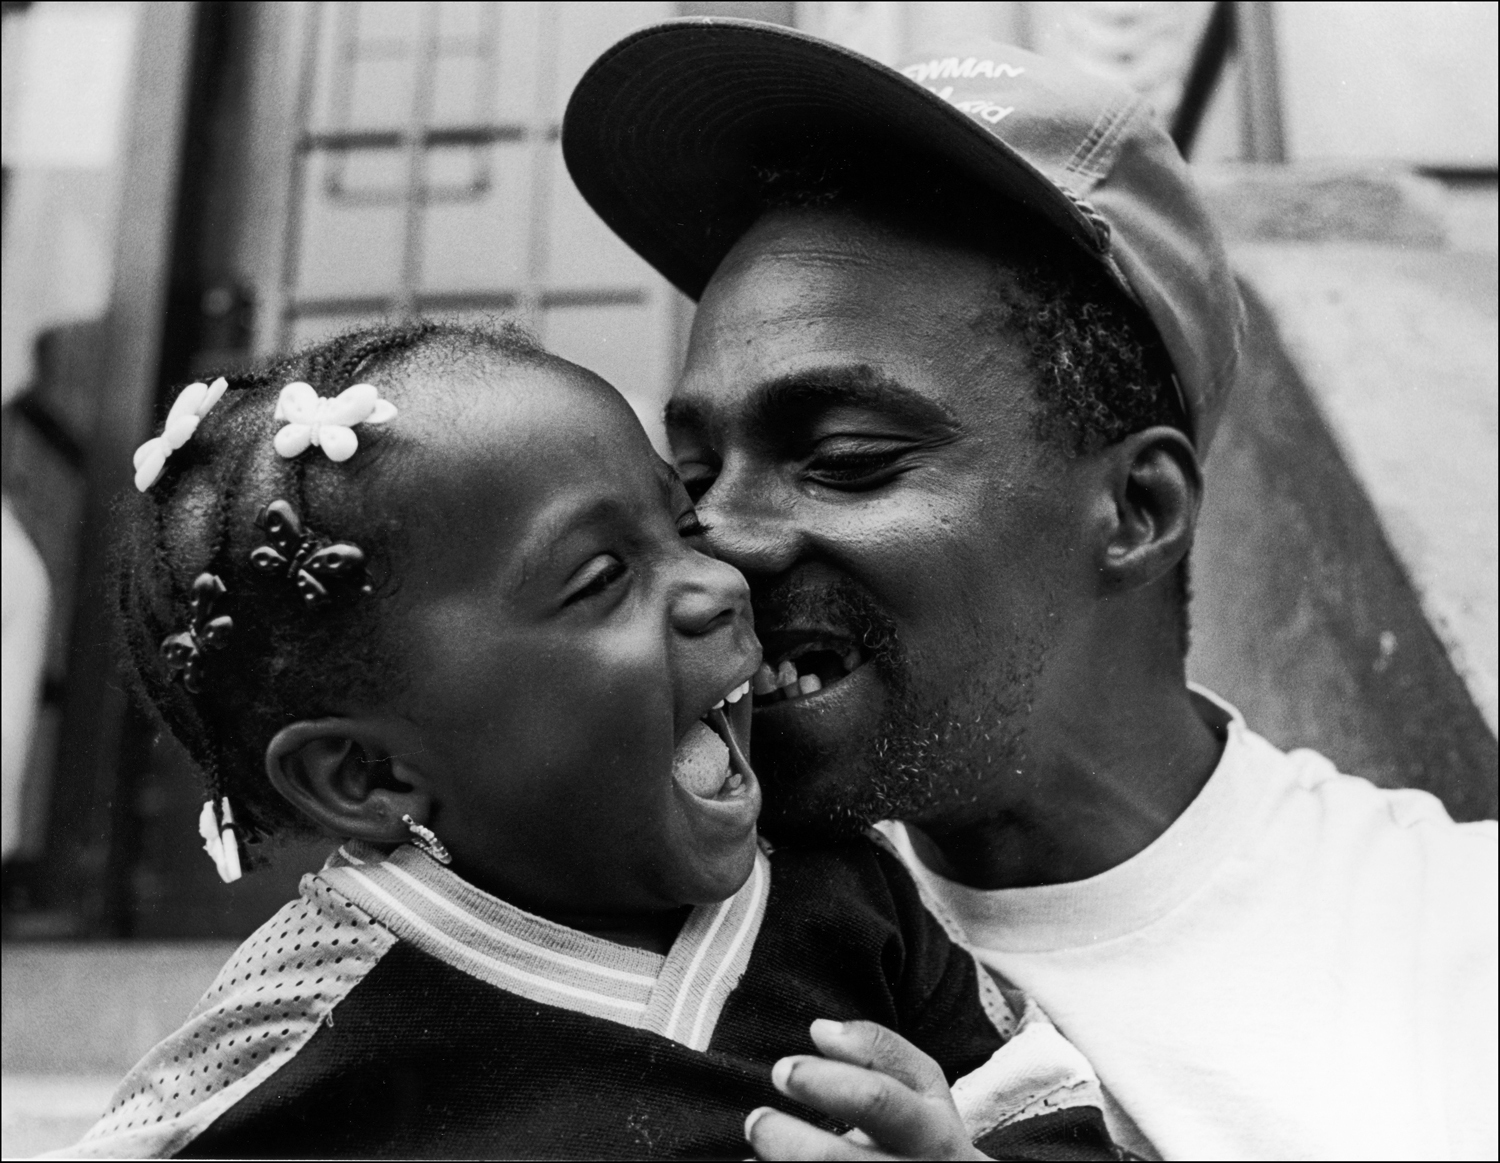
x=712, y=596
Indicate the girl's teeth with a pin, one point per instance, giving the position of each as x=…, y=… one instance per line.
x=719, y=706
x=739, y=692
x=809, y=684
x=765, y=680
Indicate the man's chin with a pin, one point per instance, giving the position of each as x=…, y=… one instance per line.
x=915, y=763
x=799, y=816
x=814, y=796
x=803, y=795
x=812, y=757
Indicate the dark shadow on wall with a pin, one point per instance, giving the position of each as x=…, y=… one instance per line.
x=1302, y=615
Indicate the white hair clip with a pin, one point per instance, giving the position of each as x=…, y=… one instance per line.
x=327, y=421
x=193, y=403
x=220, y=842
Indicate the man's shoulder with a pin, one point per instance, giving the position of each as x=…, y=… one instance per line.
x=1307, y=784
x=1386, y=860
x=1266, y=777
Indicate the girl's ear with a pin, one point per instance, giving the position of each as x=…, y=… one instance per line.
x=338, y=772
x=1156, y=486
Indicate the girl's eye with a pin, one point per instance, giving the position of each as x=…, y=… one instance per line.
x=688, y=525
x=596, y=577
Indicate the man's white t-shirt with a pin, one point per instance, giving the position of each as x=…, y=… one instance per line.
x=1303, y=966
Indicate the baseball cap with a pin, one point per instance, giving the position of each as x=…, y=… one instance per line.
x=667, y=132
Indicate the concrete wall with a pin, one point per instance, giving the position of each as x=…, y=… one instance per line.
x=1345, y=571
x=1414, y=82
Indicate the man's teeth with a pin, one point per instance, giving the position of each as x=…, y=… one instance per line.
x=783, y=682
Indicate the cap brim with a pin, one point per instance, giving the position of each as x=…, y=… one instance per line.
x=667, y=132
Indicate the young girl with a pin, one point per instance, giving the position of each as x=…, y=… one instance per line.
x=429, y=590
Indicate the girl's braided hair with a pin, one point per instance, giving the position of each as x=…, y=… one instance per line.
x=285, y=661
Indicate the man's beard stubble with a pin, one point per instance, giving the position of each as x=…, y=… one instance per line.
x=926, y=758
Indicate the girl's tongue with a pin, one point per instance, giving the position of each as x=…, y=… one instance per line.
x=701, y=762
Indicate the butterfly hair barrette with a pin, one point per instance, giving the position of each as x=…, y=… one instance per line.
x=192, y=404
x=327, y=422
x=184, y=650
x=316, y=566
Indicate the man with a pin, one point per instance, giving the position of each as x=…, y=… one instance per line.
x=963, y=337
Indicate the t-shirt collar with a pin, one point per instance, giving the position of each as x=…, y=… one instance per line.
x=1133, y=894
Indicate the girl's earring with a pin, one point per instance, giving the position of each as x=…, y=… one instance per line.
x=425, y=840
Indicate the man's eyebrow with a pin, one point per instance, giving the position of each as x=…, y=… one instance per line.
x=813, y=390
x=685, y=414
x=848, y=386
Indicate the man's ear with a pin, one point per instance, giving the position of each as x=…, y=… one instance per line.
x=1156, y=486
x=339, y=772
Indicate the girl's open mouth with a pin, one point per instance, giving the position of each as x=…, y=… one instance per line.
x=711, y=761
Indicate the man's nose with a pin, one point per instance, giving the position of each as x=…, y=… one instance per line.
x=713, y=596
x=750, y=523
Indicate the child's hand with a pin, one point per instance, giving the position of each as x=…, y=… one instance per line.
x=895, y=1094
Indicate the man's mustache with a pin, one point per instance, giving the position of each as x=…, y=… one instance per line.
x=839, y=606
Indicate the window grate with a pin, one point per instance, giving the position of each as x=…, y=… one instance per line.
x=399, y=115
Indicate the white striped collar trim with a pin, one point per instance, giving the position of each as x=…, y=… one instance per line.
x=679, y=996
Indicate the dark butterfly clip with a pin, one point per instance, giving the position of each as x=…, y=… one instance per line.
x=183, y=651
x=309, y=561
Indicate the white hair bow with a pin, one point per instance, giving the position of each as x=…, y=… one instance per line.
x=327, y=421
x=192, y=404
x=220, y=842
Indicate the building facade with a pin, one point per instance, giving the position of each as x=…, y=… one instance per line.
x=194, y=186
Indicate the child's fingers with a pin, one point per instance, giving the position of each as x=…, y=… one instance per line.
x=780, y=1136
x=896, y=1117
x=875, y=1047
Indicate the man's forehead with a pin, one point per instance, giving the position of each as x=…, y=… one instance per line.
x=817, y=309
x=840, y=246
x=804, y=280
